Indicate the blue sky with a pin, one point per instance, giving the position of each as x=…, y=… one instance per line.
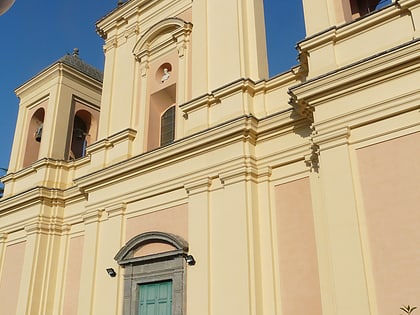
x=37, y=33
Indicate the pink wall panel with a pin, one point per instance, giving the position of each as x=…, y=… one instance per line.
x=390, y=182
x=74, y=268
x=299, y=279
x=10, y=278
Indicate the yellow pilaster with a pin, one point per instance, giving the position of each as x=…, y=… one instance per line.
x=198, y=276
x=347, y=268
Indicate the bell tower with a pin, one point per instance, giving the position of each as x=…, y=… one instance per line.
x=58, y=113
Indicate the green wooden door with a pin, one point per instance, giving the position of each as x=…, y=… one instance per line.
x=155, y=298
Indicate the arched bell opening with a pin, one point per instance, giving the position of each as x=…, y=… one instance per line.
x=363, y=7
x=34, y=137
x=80, y=134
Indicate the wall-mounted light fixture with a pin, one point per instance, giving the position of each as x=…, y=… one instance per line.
x=189, y=259
x=111, y=272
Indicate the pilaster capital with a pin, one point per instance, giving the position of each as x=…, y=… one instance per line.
x=116, y=210
x=242, y=174
x=183, y=38
x=92, y=216
x=3, y=237
x=264, y=174
x=198, y=186
x=332, y=139
x=111, y=44
x=144, y=64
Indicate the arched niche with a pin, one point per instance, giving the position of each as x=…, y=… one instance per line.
x=160, y=53
x=83, y=130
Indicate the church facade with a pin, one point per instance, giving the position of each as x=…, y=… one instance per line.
x=183, y=180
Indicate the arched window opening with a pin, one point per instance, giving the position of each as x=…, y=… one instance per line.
x=167, y=126
x=34, y=137
x=79, y=141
